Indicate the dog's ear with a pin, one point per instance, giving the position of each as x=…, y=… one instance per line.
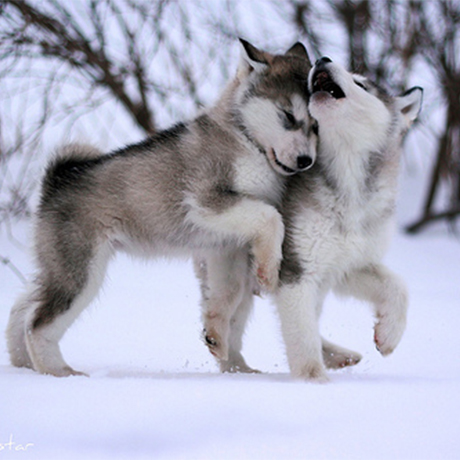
x=252, y=59
x=410, y=103
x=299, y=50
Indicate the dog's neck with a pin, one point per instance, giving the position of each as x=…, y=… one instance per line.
x=356, y=174
x=237, y=121
x=225, y=110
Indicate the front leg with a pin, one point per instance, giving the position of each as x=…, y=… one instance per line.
x=297, y=305
x=226, y=299
x=248, y=222
x=223, y=278
x=236, y=362
x=386, y=291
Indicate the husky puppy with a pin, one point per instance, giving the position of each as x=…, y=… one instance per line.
x=338, y=217
x=209, y=185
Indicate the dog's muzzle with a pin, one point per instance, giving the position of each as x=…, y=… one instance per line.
x=323, y=81
x=304, y=162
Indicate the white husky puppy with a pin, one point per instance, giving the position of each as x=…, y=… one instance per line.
x=338, y=217
x=210, y=185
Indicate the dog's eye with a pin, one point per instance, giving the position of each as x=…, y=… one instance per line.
x=290, y=118
x=361, y=85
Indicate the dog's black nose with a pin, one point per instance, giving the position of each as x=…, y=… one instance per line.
x=323, y=60
x=304, y=161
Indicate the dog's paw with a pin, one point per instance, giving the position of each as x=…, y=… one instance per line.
x=387, y=334
x=313, y=372
x=236, y=364
x=237, y=368
x=215, y=344
x=66, y=371
x=339, y=360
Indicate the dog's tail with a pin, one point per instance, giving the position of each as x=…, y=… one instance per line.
x=77, y=151
x=67, y=164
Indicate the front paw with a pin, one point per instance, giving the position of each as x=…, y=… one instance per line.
x=387, y=334
x=313, y=372
x=65, y=371
x=215, y=344
x=237, y=364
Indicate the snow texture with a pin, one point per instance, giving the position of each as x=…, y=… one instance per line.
x=154, y=392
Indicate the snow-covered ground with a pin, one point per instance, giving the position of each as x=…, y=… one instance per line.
x=154, y=392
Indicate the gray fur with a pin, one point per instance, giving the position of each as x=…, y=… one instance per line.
x=338, y=216
x=197, y=188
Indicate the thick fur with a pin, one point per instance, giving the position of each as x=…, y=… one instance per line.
x=209, y=186
x=338, y=218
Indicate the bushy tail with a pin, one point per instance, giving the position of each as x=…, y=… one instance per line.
x=68, y=163
x=77, y=151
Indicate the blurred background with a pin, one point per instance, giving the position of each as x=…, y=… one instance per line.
x=110, y=72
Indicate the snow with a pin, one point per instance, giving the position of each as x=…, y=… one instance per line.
x=154, y=391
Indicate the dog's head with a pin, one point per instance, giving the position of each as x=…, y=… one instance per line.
x=352, y=111
x=271, y=106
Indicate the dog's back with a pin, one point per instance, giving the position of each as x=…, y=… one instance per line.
x=210, y=183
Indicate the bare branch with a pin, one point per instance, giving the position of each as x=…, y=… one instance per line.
x=13, y=268
x=64, y=40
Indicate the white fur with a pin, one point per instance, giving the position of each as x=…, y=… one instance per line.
x=249, y=222
x=298, y=310
x=340, y=238
x=43, y=343
x=203, y=186
x=263, y=117
x=265, y=186
x=15, y=333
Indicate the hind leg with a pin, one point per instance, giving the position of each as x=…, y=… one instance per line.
x=44, y=350
x=55, y=308
x=336, y=357
x=15, y=332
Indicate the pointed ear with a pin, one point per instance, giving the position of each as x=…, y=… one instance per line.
x=298, y=50
x=252, y=58
x=410, y=103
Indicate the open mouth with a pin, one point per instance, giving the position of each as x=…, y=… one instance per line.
x=322, y=81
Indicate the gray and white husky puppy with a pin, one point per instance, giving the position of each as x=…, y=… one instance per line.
x=210, y=185
x=338, y=217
